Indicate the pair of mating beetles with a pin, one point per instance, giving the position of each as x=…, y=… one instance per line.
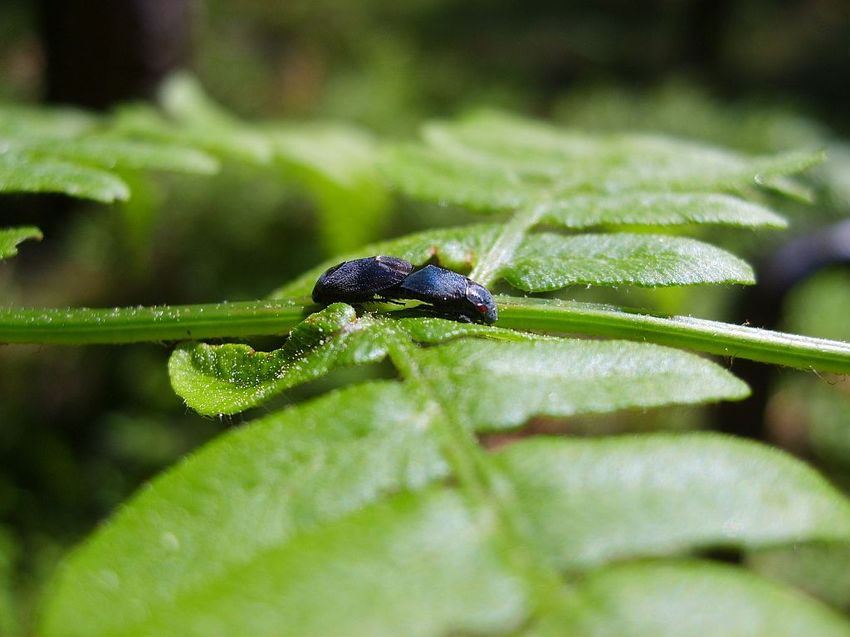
x=390, y=278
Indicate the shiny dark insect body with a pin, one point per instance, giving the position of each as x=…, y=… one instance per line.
x=450, y=293
x=389, y=278
x=361, y=280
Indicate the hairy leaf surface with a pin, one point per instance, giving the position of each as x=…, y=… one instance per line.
x=262, y=485
x=489, y=383
x=304, y=506
x=692, y=486
x=550, y=262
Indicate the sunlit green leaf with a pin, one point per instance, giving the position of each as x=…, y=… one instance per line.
x=430, y=571
x=492, y=161
x=264, y=484
x=225, y=141
x=110, y=153
x=497, y=385
x=22, y=173
x=551, y=262
x=688, y=599
x=31, y=122
x=430, y=175
x=373, y=509
x=658, y=209
x=601, y=500
x=304, y=505
x=216, y=379
x=489, y=384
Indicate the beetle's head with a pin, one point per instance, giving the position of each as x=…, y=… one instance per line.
x=483, y=306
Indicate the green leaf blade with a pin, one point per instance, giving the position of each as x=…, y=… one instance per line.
x=227, y=379
x=663, y=494
x=689, y=599
x=425, y=174
x=493, y=378
x=112, y=153
x=490, y=161
x=245, y=510
x=226, y=140
x=20, y=173
x=659, y=209
x=500, y=385
x=548, y=261
x=456, y=585
x=11, y=237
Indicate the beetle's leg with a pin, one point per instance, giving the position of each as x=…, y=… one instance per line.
x=384, y=299
x=444, y=313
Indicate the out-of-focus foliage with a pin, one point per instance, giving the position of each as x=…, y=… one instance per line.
x=821, y=306
x=77, y=154
x=390, y=64
x=11, y=237
x=671, y=602
x=823, y=570
x=683, y=109
x=7, y=606
x=812, y=411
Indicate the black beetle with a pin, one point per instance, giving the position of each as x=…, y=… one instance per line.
x=450, y=293
x=388, y=278
x=361, y=280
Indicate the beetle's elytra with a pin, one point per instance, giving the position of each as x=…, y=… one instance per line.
x=389, y=278
x=361, y=280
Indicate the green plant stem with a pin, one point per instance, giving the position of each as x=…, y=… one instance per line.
x=256, y=318
x=711, y=337
x=83, y=326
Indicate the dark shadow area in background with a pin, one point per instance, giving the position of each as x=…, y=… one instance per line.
x=101, y=52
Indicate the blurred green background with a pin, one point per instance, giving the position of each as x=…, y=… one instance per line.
x=81, y=428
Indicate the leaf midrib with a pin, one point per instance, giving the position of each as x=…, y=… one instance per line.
x=489, y=493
